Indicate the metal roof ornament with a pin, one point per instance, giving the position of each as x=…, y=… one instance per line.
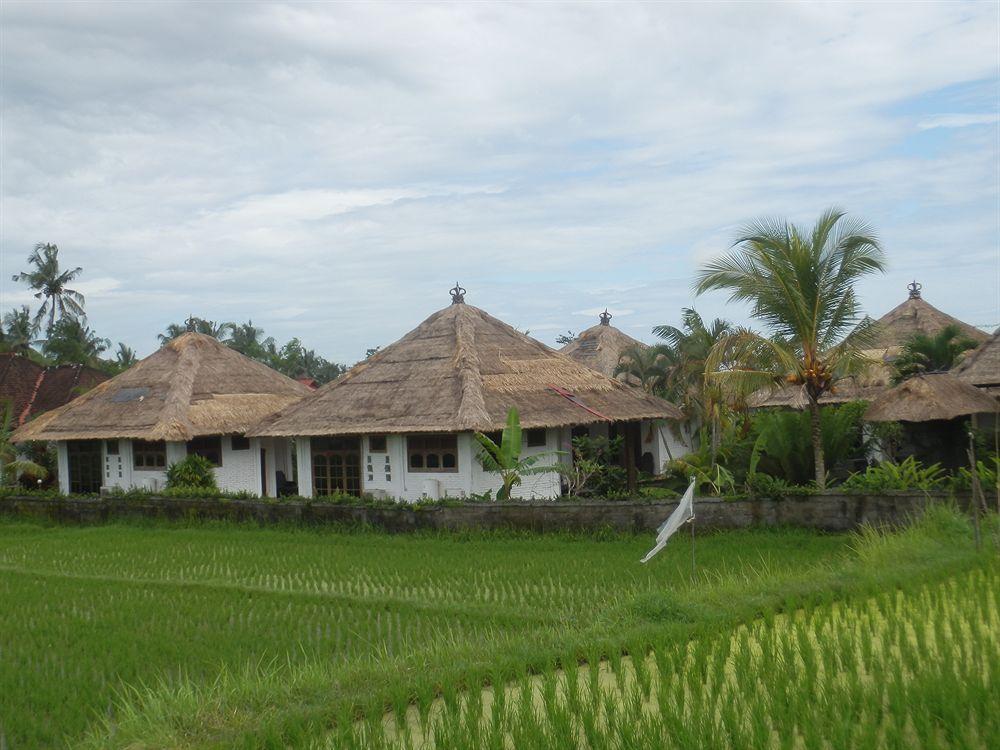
x=457, y=294
x=606, y=317
x=191, y=324
x=914, y=288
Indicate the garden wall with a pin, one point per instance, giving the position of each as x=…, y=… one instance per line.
x=827, y=512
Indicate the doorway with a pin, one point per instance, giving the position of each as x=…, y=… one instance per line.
x=85, y=469
x=336, y=464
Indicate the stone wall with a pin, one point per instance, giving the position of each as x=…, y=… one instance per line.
x=827, y=512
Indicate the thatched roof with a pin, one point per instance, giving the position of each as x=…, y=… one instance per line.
x=981, y=367
x=600, y=347
x=461, y=370
x=928, y=397
x=915, y=315
x=192, y=386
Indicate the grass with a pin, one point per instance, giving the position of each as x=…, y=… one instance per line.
x=220, y=635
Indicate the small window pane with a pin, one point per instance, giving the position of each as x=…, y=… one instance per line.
x=376, y=443
x=239, y=443
x=448, y=461
x=111, y=446
x=433, y=461
x=416, y=461
x=535, y=438
x=209, y=448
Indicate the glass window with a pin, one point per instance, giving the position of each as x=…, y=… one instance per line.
x=239, y=443
x=149, y=454
x=535, y=438
x=111, y=446
x=433, y=452
x=376, y=443
x=209, y=447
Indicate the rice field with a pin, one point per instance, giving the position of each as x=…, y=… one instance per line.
x=217, y=635
x=897, y=670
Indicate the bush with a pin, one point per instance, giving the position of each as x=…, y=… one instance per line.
x=908, y=475
x=192, y=472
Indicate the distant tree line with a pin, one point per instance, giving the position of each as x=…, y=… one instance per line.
x=57, y=333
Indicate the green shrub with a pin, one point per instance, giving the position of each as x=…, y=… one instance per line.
x=908, y=475
x=193, y=471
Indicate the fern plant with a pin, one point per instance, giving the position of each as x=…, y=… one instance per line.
x=910, y=474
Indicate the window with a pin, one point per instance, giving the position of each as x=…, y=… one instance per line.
x=149, y=454
x=376, y=443
x=209, y=447
x=581, y=431
x=111, y=447
x=336, y=465
x=239, y=443
x=496, y=437
x=535, y=438
x=432, y=452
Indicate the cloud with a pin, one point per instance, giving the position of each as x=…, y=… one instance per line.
x=331, y=170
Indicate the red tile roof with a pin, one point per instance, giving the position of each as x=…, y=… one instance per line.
x=32, y=389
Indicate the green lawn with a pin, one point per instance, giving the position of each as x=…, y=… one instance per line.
x=215, y=635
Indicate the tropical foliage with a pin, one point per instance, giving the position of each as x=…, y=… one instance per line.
x=11, y=466
x=936, y=353
x=71, y=341
x=505, y=459
x=191, y=471
x=50, y=284
x=800, y=283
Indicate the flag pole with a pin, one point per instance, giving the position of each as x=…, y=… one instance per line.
x=692, y=549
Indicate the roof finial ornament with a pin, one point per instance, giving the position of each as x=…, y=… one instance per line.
x=457, y=294
x=914, y=288
x=606, y=317
x=191, y=324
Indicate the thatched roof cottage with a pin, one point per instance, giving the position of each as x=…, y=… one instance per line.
x=981, y=367
x=602, y=347
x=401, y=423
x=912, y=316
x=194, y=395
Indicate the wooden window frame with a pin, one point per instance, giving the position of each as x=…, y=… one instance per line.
x=147, y=449
x=434, y=449
x=206, y=446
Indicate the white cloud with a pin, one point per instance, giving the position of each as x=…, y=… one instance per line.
x=331, y=170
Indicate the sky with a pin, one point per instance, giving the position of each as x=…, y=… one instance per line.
x=329, y=171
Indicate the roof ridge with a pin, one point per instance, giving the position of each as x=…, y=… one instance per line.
x=31, y=400
x=472, y=405
x=174, y=423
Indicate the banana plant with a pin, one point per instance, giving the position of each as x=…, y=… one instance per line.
x=10, y=465
x=505, y=459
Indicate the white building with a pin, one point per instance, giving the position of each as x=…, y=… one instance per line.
x=401, y=423
x=602, y=347
x=194, y=395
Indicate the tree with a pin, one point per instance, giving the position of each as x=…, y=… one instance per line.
x=50, y=285
x=566, y=338
x=505, y=459
x=124, y=358
x=199, y=325
x=10, y=465
x=800, y=285
x=249, y=340
x=71, y=342
x=936, y=353
x=688, y=349
x=19, y=330
x=647, y=365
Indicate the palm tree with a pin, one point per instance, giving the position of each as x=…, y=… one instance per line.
x=19, y=330
x=49, y=284
x=249, y=340
x=505, y=459
x=198, y=325
x=124, y=357
x=936, y=353
x=647, y=365
x=73, y=342
x=800, y=284
x=691, y=346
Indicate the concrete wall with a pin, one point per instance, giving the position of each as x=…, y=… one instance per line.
x=828, y=512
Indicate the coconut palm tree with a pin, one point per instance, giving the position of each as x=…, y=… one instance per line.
x=124, y=357
x=50, y=285
x=936, y=353
x=71, y=341
x=800, y=285
x=649, y=366
x=199, y=325
x=691, y=345
x=19, y=330
x=10, y=465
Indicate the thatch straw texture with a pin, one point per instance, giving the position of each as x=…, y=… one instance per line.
x=857, y=388
x=192, y=386
x=935, y=396
x=461, y=370
x=600, y=348
x=913, y=316
x=981, y=367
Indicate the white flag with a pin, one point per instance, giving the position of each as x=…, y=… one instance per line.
x=683, y=513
